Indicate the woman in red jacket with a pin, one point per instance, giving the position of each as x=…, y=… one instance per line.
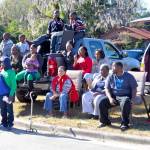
x=82, y=61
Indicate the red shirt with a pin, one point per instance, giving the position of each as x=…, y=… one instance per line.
x=84, y=64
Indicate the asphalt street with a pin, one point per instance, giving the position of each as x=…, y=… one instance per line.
x=19, y=139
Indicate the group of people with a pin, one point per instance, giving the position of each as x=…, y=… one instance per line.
x=104, y=89
x=56, y=27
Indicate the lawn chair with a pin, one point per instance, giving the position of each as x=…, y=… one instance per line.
x=141, y=78
x=76, y=76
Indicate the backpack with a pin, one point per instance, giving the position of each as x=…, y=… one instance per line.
x=73, y=94
x=5, y=90
x=52, y=66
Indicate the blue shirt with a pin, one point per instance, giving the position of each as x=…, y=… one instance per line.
x=121, y=85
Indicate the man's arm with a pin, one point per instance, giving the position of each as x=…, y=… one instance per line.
x=108, y=94
x=134, y=91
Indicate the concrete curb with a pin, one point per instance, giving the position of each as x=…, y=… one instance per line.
x=85, y=134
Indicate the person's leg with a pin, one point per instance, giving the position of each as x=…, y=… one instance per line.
x=87, y=100
x=20, y=75
x=37, y=76
x=104, y=105
x=53, y=44
x=125, y=105
x=25, y=76
x=48, y=103
x=10, y=116
x=3, y=113
x=96, y=102
x=63, y=99
x=78, y=36
x=30, y=82
x=41, y=39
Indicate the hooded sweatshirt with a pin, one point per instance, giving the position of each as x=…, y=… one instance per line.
x=9, y=75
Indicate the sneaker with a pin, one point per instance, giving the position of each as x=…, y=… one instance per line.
x=124, y=127
x=3, y=127
x=104, y=125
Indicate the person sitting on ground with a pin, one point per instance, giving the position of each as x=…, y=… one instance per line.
x=82, y=61
x=77, y=25
x=5, y=45
x=120, y=88
x=91, y=98
x=60, y=87
x=23, y=45
x=30, y=78
x=99, y=60
x=68, y=55
x=16, y=59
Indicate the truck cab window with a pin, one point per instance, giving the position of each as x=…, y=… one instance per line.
x=111, y=51
x=93, y=45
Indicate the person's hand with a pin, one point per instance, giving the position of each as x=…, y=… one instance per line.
x=112, y=101
x=54, y=96
x=75, y=58
x=11, y=99
x=95, y=94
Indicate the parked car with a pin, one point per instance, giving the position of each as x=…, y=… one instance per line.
x=135, y=53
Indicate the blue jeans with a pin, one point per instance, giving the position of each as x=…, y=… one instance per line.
x=63, y=99
x=7, y=113
x=41, y=39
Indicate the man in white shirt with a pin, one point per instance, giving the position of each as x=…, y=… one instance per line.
x=23, y=45
x=5, y=45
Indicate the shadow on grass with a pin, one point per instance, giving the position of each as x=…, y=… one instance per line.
x=25, y=109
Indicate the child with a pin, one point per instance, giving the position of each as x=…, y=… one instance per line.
x=6, y=100
x=31, y=66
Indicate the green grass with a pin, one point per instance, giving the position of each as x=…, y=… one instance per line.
x=139, y=123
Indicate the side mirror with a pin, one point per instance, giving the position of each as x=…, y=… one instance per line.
x=124, y=53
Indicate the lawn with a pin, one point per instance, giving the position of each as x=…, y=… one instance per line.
x=139, y=123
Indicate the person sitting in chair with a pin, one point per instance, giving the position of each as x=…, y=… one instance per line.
x=60, y=88
x=120, y=89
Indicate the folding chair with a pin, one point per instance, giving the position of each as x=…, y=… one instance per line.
x=141, y=78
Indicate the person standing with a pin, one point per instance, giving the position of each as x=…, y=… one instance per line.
x=5, y=45
x=6, y=101
x=23, y=45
